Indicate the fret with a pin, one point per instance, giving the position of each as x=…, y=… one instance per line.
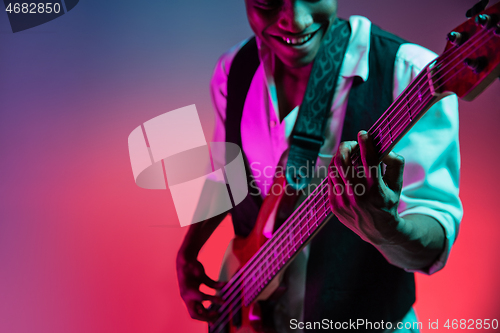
x=279, y=253
x=309, y=214
x=390, y=128
x=296, y=233
x=291, y=240
x=300, y=228
x=287, y=246
x=305, y=235
x=408, y=106
x=280, y=258
x=419, y=92
x=274, y=263
x=316, y=216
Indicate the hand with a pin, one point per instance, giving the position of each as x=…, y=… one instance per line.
x=190, y=275
x=364, y=200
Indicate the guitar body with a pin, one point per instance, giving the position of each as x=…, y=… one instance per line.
x=240, y=251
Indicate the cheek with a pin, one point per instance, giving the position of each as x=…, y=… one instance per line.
x=325, y=11
x=259, y=20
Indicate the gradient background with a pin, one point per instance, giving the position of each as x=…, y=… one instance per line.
x=83, y=249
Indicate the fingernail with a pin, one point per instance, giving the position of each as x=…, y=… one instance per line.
x=362, y=133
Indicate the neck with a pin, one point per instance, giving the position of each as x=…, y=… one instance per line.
x=296, y=74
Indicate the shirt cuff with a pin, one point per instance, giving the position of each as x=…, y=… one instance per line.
x=448, y=225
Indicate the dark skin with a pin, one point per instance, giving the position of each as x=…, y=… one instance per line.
x=412, y=242
x=290, y=87
x=190, y=272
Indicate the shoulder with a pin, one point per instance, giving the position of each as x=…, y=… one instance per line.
x=412, y=54
x=415, y=55
x=226, y=59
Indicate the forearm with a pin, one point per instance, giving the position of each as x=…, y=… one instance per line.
x=197, y=235
x=419, y=242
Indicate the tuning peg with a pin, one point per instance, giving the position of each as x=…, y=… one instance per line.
x=482, y=20
x=455, y=38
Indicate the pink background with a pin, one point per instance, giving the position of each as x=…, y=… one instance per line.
x=83, y=249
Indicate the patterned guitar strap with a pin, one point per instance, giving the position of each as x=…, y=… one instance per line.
x=309, y=132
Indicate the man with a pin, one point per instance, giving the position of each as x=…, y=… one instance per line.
x=357, y=266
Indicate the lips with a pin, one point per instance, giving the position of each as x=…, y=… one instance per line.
x=295, y=41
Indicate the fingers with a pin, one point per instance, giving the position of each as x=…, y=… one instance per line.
x=214, y=299
x=190, y=276
x=342, y=161
x=339, y=177
x=199, y=312
x=195, y=306
x=212, y=283
x=369, y=155
x=393, y=176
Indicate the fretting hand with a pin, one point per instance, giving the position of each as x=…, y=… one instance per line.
x=364, y=200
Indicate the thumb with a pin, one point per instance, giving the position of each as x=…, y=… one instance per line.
x=393, y=175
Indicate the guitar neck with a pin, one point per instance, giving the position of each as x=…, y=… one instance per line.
x=314, y=212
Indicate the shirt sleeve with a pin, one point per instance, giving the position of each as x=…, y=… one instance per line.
x=218, y=90
x=432, y=156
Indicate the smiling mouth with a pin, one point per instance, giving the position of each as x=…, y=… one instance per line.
x=296, y=41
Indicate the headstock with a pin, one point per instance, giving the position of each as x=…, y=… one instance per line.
x=471, y=59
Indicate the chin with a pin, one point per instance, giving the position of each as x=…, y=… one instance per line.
x=298, y=62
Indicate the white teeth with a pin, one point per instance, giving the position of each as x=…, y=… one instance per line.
x=297, y=41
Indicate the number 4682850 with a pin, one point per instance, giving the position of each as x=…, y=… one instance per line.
x=34, y=8
x=471, y=324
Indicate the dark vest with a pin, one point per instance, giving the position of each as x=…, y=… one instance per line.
x=347, y=278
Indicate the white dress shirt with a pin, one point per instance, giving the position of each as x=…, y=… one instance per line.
x=430, y=149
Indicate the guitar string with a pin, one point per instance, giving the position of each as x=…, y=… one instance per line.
x=289, y=249
x=251, y=292
x=289, y=235
x=382, y=136
x=267, y=244
x=422, y=105
x=237, y=306
x=226, y=313
x=411, y=102
x=409, y=94
x=282, y=235
x=395, y=107
x=452, y=52
x=281, y=232
x=431, y=97
x=398, y=127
